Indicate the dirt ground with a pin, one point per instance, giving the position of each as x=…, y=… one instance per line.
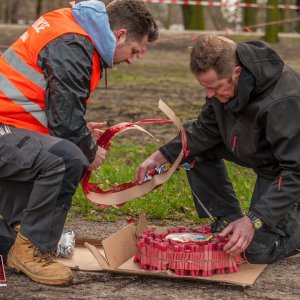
x=132, y=94
x=278, y=281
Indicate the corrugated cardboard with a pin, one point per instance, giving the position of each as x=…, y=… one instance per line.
x=117, y=252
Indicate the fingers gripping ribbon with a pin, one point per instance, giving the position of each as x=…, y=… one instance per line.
x=122, y=193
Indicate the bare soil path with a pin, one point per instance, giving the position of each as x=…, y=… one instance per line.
x=278, y=281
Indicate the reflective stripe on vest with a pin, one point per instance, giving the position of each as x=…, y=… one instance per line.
x=18, y=64
x=18, y=98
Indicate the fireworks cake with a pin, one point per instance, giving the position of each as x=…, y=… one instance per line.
x=185, y=252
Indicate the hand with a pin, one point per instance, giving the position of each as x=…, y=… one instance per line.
x=140, y=54
x=134, y=56
x=242, y=233
x=155, y=160
x=94, y=128
x=99, y=158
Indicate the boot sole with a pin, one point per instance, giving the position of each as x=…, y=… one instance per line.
x=13, y=264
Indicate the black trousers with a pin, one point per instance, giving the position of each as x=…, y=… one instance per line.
x=38, y=177
x=215, y=197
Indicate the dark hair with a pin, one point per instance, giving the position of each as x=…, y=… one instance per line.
x=213, y=52
x=135, y=17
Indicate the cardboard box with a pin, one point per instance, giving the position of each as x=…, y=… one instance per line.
x=115, y=254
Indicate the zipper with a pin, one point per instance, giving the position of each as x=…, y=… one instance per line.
x=103, y=69
x=234, y=143
x=279, y=183
x=280, y=178
x=105, y=76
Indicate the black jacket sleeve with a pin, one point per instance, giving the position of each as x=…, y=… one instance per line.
x=67, y=66
x=202, y=134
x=283, y=133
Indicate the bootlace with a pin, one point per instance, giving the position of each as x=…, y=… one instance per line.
x=46, y=258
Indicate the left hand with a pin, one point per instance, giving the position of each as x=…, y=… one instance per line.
x=99, y=159
x=140, y=55
x=242, y=233
x=155, y=160
x=94, y=128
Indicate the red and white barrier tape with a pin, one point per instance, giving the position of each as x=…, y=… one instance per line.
x=218, y=3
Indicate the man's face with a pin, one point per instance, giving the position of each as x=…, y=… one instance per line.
x=223, y=89
x=128, y=51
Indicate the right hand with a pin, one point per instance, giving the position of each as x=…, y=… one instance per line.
x=242, y=233
x=153, y=161
x=99, y=158
x=95, y=129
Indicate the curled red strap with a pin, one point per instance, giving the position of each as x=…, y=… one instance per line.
x=105, y=141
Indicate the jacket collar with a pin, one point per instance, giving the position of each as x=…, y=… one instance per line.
x=92, y=17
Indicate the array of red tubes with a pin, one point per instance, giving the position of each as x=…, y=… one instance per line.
x=155, y=251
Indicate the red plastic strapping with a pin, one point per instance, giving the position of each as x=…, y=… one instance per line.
x=120, y=194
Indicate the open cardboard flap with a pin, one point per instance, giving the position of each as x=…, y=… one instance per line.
x=117, y=252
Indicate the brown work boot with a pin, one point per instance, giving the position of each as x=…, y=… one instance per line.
x=41, y=267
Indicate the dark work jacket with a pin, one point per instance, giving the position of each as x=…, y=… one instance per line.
x=260, y=128
x=68, y=87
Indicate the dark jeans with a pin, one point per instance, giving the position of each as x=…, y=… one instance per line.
x=209, y=180
x=38, y=177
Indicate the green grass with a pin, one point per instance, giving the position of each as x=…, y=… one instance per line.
x=172, y=201
x=170, y=74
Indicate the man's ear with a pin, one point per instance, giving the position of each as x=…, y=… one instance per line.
x=237, y=70
x=120, y=35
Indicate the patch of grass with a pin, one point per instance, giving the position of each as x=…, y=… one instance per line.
x=173, y=200
x=243, y=181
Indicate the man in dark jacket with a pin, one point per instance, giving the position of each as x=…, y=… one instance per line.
x=250, y=117
x=46, y=145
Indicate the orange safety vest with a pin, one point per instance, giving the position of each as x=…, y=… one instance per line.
x=22, y=82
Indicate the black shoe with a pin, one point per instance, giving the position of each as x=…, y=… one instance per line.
x=219, y=224
x=295, y=252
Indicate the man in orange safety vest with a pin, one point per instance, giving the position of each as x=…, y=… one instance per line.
x=46, y=145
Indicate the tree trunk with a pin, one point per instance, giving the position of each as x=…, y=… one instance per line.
x=14, y=10
x=285, y=14
x=164, y=14
x=39, y=7
x=169, y=15
x=7, y=16
x=250, y=15
x=216, y=18
x=193, y=17
x=1, y=10
x=271, y=35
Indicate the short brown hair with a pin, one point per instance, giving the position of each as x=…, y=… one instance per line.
x=135, y=17
x=213, y=52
